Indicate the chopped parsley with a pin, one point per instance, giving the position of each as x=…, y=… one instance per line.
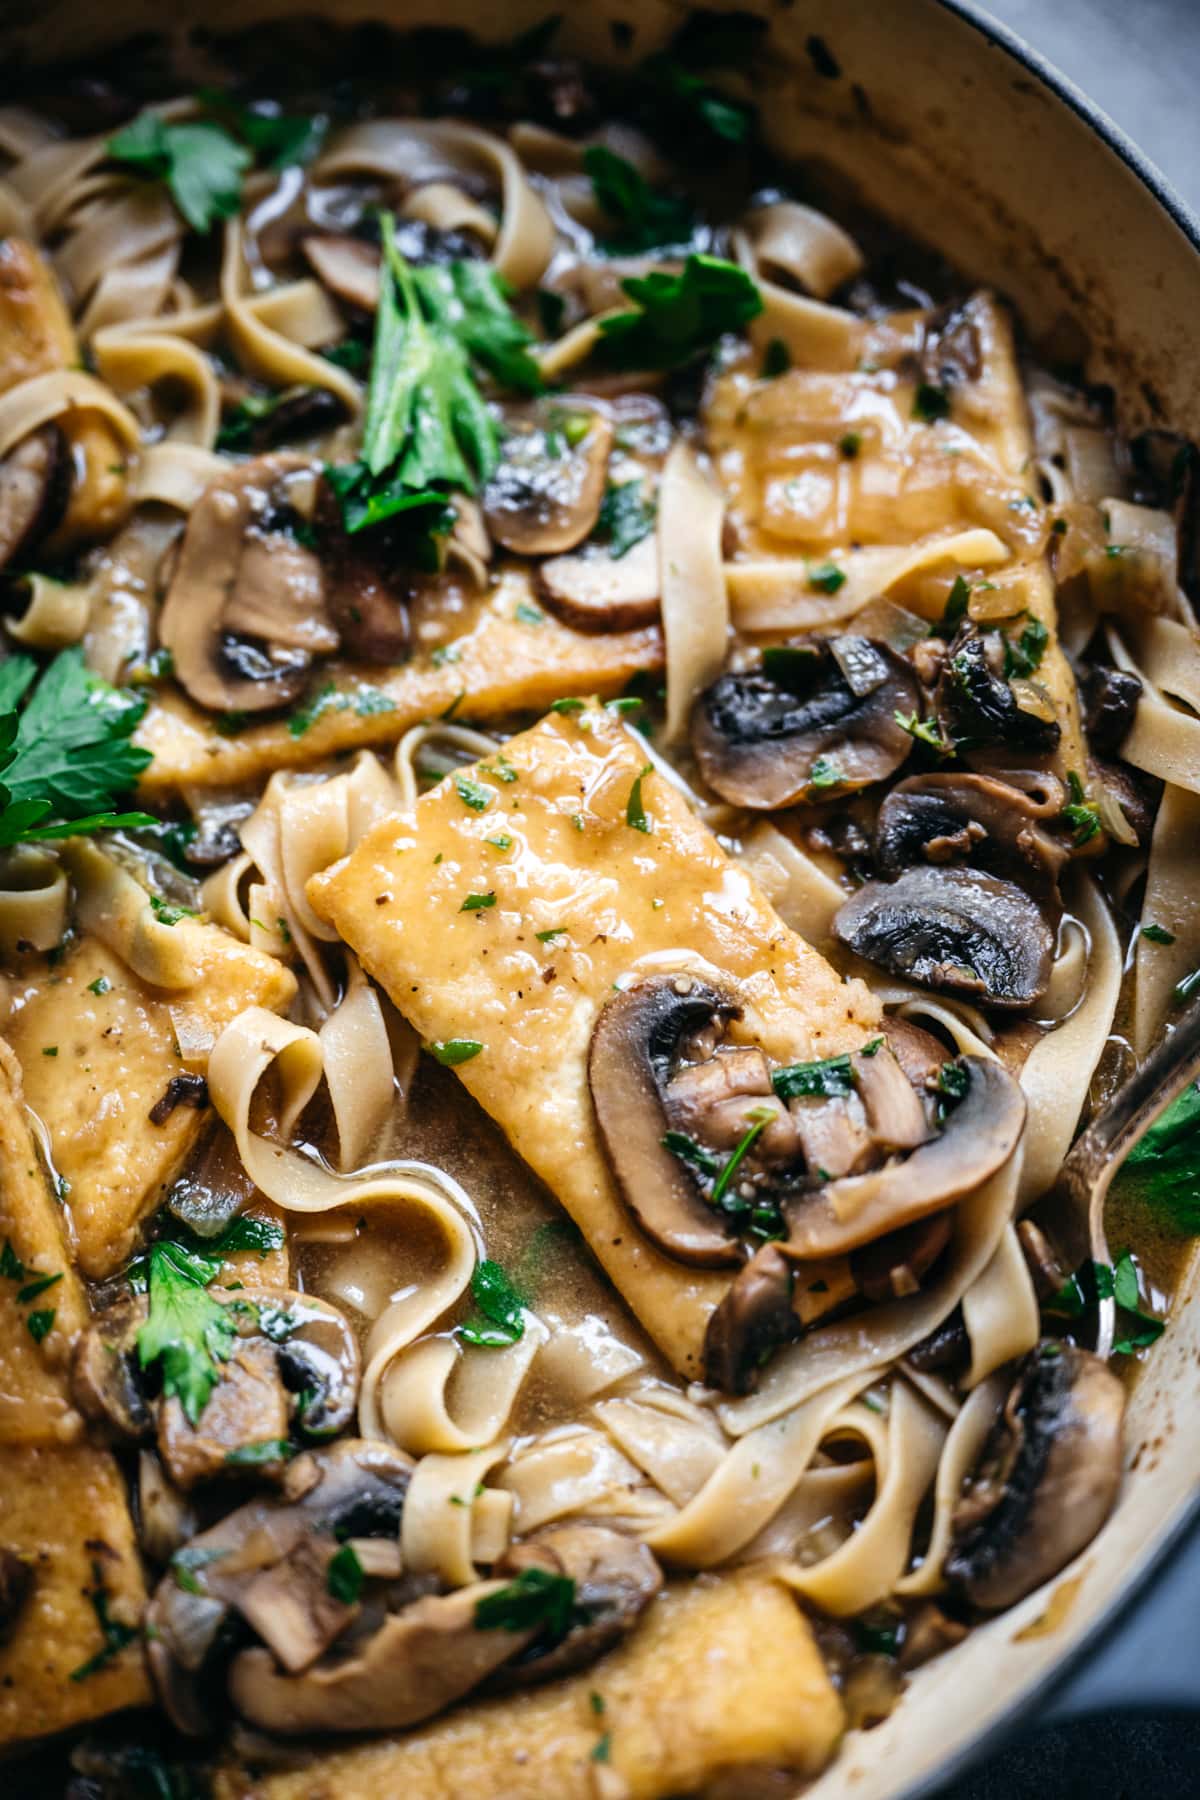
x=777, y=360
x=688, y=1150
x=101, y=985
x=548, y=937
x=643, y=218
x=1025, y=655
x=679, y=315
x=472, y=793
x=825, y=774
x=957, y=601
x=536, y=1601
x=829, y=1077
x=1163, y=1168
x=344, y=1575
x=1080, y=814
x=760, y=1117
x=850, y=443
x=635, y=812
x=201, y=164
x=258, y=1455
x=1158, y=934
x=166, y=913
x=478, y=902
x=452, y=1051
x=826, y=578
x=32, y=1289
x=924, y=731
x=40, y=1324
x=626, y=517
x=503, y=1309
x=116, y=1635
x=501, y=841
x=68, y=754
x=1111, y=1281
x=527, y=614
x=11, y=1266
x=187, y=1333
x=953, y=1080
x=930, y=403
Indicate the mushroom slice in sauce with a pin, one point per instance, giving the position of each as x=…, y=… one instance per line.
x=957, y=929
x=244, y=614
x=976, y=706
x=638, y=1036
x=355, y=1490
x=596, y=591
x=813, y=726
x=1046, y=1481
x=978, y=1137
x=367, y=589
x=545, y=496
x=347, y=266
x=751, y=1322
x=434, y=1650
x=976, y=819
x=106, y=1382
x=35, y=482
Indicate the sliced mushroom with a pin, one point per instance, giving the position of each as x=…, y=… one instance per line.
x=106, y=1381
x=545, y=496
x=166, y=1520
x=953, y=929
x=897, y=1264
x=947, y=1347
x=367, y=588
x=596, y=591
x=319, y=1361
x=35, y=481
x=615, y=1580
x=638, y=1036
x=951, y=353
x=824, y=727
x=347, y=266
x=353, y=1491
x=298, y=412
x=927, y=1632
x=752, y=1320
x=977, y=819
x=1046, y=1481
x=16, y=1585
x=978, y=1137
x=1111, y=697
x=895, y=1117
x=432, y=1652
x=244, y=614
x=976, y=706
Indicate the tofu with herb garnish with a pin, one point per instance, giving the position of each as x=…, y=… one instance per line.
x=686, y=1698
x=514, y=656
x=595, y=866
x=67, y=1650
x=98, y=1049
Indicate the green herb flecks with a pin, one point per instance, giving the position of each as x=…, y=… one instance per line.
x=68, y=754
x=825, y=774
x=930, y=403
x=1157, y=934
x=1024, y=655
x=625, y=518
x=829, y=1077
x=187, y=1333
x=201, y=164
x=535, y=1601
x=760, y=1117
x=344, y=1575
x=503, y=1309
x=689, y=1151
x=260, y=1454
x=924, y=731
x=826, y=577
x=1163, y=1170
x=472, y=793
x=678, y=315
x=116, y=1635
x=478, y=902
x=452, y=1051
x=643, y=219
x=1080, y=814
x=636, y=816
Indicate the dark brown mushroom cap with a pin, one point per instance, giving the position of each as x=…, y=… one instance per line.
x=1046, y=1481
x=821, y=724
x=546, y=494
x=977, y=707
x=615, y=1580
x=593, y=590
x=635, y=1041
x=956, y=818
x=35, y=485
x=367, y=586
x=978, y=1137
x=1111, y=700
x=106, y=1383
x=320, y=1363
x=954, y=929
x=752, y=1320
x=347, y=266
x=897, y=1264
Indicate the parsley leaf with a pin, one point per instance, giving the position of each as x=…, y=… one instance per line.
x=1081, y=815
x=1024, y=656
x=452, y=1051
x=259, y=1454
x=830, y=1077
x=68, y=754
x=625, y=517
x=1157, y=934
x=1163, y=1168
x=187, y=1332
x=679, y=316
x=117, y=1636
x=536, y=1599
x=202, y=165
x=930, y=403
x=478, y=902
x=472, y=793
x=645, y=218
x=825, y=773
x=344, y=1575
x=688, y=1150
x=635, y=812
x=500, y=1303
x=469, y=301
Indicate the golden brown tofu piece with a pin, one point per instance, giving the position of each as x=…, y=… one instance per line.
x=582, y=899
x=720, y=1675
x=63, y=1511
x=515, y=657
x=36, y=336
x=34, y=1407
x=98, y=1050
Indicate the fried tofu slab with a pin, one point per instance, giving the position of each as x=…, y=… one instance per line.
x=503, y=912
x=64, y=1517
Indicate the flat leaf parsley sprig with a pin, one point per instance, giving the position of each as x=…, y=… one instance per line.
x=67, y=755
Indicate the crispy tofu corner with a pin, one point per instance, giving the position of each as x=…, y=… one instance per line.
x=580, y=897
